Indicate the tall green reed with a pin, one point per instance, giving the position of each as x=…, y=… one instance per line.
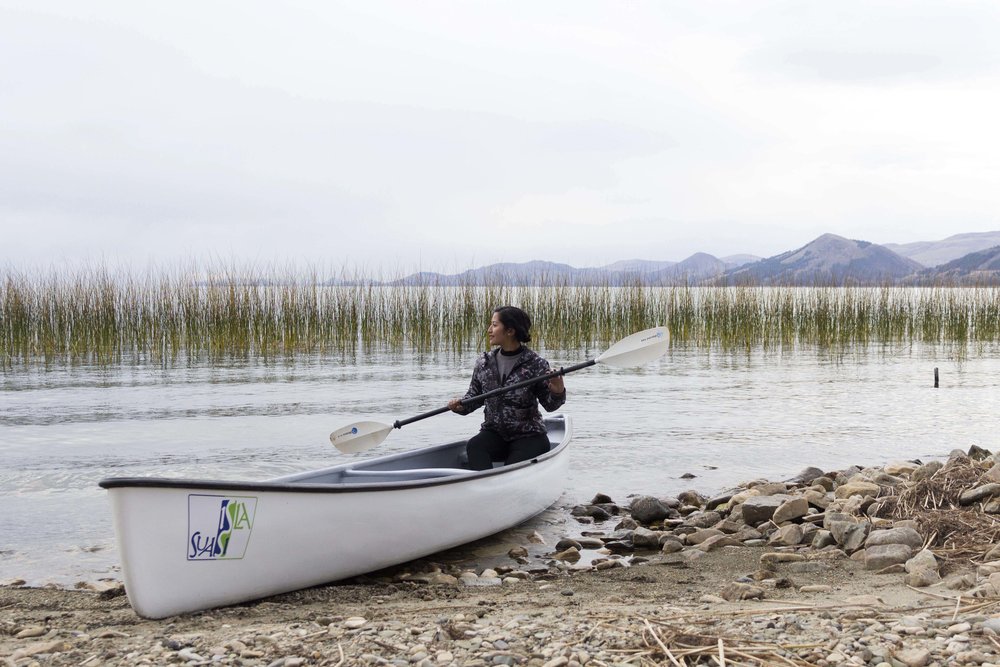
x=96, y=315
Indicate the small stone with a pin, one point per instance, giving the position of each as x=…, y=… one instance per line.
x=518, y=553
x=922, y=578
x=864, y=600
x=717, y=542
x=189, y=655
x=914, y=657
x=572, y=555
x=30, y=632
x=536, y=538
x=781, y=557
x=483, y=581
x=444, y=657
x=699, y=536
x=567, y=543
x=354, y=622
x=740, y=591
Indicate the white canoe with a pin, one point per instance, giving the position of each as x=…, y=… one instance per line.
x=187, y=544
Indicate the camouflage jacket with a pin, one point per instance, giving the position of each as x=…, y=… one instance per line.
x=513, y=414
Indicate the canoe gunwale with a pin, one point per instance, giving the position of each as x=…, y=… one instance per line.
x=345, y=487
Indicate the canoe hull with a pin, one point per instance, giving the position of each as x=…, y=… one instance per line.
x=185, y=548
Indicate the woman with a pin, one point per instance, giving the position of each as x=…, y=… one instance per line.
x=512, y=430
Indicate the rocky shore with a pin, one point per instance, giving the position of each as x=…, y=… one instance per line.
x=891, y=566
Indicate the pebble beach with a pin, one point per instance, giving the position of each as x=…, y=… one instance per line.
x=888, y=566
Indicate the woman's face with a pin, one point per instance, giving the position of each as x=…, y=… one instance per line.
x=496, y=332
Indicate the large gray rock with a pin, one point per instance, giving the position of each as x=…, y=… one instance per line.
x=921, y=570
x=671, y=545
x=907, y=536
x=646, y=538
x=771, y=488
x=850, y=536
x=702, y=519
x=830, y=517
x=979, y=493
x=807, y=475
x=719, y=541
x=699, y=536
x=924, y=560
x=816, y=498
x=786, y=536
x=692, y=498
x=822, y=539
x=758, y=509
x=926, y=471
x=649, y=509
x=993, y=474
x=886, y=555
x=791, y=509
x=858, y=488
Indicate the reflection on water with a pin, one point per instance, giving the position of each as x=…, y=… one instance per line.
x=723, y=418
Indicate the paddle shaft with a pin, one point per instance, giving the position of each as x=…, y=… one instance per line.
x=400, y=423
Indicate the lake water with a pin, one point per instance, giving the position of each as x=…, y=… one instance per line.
x=724, y=418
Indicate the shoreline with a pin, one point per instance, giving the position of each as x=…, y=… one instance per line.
x=831, y=576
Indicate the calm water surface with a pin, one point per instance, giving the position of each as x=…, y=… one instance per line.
x=721, y=417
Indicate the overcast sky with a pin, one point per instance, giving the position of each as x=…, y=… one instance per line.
x=446, y=135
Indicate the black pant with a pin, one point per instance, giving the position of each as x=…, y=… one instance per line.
x=487, y=446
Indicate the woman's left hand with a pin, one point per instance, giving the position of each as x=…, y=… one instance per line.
x=556, y=384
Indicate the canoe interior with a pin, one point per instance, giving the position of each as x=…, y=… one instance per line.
x=429, y=463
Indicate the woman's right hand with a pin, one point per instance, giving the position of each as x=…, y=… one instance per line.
x=455, y=405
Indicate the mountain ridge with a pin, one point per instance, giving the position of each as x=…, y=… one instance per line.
x=827, y=260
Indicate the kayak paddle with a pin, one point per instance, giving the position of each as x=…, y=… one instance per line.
x=635, y=350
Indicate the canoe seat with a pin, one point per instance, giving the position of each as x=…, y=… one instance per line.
x=412, y=473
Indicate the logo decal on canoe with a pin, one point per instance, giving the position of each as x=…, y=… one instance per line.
x=219, y=526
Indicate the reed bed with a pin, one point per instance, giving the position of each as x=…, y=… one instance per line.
x=100, y=316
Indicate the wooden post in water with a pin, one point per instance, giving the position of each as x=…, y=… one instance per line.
x=935, y=377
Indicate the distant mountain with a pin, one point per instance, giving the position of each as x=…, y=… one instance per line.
x=736, y=261
x=694, y=270
x=976, y=268
x=936, y=253
x=828, y=260
x=638, y=266
x=526, y=273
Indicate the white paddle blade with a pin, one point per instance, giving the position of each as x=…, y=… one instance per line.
x=359, y=436
x=638, y=349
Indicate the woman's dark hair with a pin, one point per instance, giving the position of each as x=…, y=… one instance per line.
x=514, y=318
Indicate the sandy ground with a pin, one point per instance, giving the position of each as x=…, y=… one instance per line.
x=313, y=626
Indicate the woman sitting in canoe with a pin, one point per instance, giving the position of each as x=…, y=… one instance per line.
x=512, y=430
